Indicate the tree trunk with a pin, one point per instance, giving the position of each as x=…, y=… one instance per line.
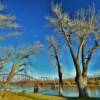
x=60, y=84
x=60, y=75
x=36, y=89
x=60, y=90
x=82, y=86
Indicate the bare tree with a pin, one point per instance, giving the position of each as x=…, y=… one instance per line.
x=7, y=22
x=53, y=45
x=85, y=24
x=19, y=59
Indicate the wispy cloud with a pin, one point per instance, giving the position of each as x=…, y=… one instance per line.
x=94, y=73
x=68, y=71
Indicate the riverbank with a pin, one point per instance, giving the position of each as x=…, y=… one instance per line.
x=4, y=95
x=52, y=84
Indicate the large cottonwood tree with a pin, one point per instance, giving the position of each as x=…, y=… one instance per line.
x=86, y=23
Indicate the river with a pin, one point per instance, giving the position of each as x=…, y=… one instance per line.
x=70, y=91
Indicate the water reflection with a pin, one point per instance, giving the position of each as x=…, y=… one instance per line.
x=71, y=91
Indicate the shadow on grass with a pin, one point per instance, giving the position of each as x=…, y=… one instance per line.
x=55, y=97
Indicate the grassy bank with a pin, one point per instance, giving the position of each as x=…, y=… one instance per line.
x=21, y=96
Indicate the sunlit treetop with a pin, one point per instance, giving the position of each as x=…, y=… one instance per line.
x=7, y=21
x=85, y=21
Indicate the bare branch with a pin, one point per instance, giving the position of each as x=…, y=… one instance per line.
x=91, y=52
x=80, y=49
x=31, y=51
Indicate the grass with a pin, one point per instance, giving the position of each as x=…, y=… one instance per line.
x=22, y=96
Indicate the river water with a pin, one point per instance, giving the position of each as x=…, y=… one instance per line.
x=71, y=91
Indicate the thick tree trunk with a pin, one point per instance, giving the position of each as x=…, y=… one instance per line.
x=82, y=86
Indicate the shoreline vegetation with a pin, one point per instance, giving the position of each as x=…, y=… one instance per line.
x=7, y=95
x=50, y=83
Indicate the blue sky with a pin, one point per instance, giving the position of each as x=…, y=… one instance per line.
x=30, y=15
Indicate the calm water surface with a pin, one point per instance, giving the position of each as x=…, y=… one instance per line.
x=71, y=91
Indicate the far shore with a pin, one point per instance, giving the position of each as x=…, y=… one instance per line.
x=50, y=83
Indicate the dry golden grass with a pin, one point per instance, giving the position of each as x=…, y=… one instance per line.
x=12, y=96
x=15, y=96
x=4, y=95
